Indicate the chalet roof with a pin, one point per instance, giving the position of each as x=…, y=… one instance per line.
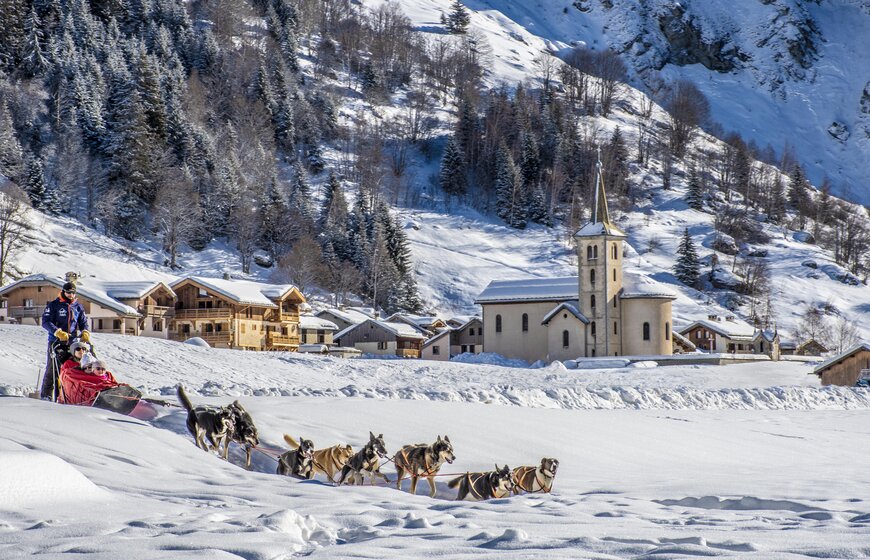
x=439, y=336
x=133, y=290
x=840, y=357
x=635, y=286
x=734, y=329
x=402, y=330
x=683, y=341
x=349, y=315
x=422, y=321
x=89, y=289
x=768, y=335
x=530, y=289
x=460, y=320
x=572, y=307
x=317, y=323
x=242, y=292
x=808, y=343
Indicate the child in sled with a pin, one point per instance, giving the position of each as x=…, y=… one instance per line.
x=81, y=385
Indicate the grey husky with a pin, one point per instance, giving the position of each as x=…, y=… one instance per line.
x=244, y=431
x=536, y=479
x=365, y=460
x=298, y=462
x=484, y=485
x=213, y=424
x=423, y=460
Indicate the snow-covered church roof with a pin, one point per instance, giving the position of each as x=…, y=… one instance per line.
x=530, y=289
x=640, y=286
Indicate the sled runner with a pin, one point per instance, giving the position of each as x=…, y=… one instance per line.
x=127, y=400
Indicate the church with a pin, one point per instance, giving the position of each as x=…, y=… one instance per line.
x=600, y=312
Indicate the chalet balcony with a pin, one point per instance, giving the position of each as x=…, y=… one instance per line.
x=194, y=314
x=21, y=312
x=158, y=311
x=278, y=339
x=407, y=353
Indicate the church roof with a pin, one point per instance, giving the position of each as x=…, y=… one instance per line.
x=530, y=289
x=640, y=286
x=600, y=224
x=572, y=307
x=599, y=228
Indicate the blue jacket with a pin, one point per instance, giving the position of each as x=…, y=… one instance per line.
x=65, y=315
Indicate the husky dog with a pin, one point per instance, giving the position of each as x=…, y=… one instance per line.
x=536, y=479
x=208, y=423
x=423, y=460
x=328, y=461
x=297, y=462
x=244, y=431
x=484, y=485
x=367, y=460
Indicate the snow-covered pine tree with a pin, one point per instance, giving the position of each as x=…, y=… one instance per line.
x=458, y=19
x=333, y=221
x=695, y=192
x=299, y=192
x=687, y=268
x=452, y=174
x=33, y=59
x=510, y=202
x=11, y=154
x=35, y=182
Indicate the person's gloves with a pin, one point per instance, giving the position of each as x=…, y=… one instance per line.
x=61, y=335
x=86, y=336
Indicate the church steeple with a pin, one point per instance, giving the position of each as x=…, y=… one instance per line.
x=600, y=223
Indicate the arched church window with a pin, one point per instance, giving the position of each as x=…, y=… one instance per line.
x=525, y=322
x=595, y=252
x=592, y=276
x=614, y=275
x=498, y=323
x=667, y=331
x=589, y=252
x=565, y=339
x=592, y=301
x=592, y=328
x=613, y=252
x=646, y=331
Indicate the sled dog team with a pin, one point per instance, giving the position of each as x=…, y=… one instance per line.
x=214, y=427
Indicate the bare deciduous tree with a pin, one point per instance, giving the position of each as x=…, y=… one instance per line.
x=303, y=265
x=14, y=225
x=688, y=108
x=177, y=214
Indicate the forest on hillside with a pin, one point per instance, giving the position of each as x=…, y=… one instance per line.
x=194, y=121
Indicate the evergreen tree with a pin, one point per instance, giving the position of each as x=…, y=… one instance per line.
x=688, y=267
x=798, y=194
x=511, y=204
x=452, y=174
x=333, y=222
x=33, y=59
x=11, y=155
x=35, y=183
x=458, y=19
x=299, y=192
x=695, y=192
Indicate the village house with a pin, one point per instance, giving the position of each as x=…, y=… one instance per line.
x=717, y=334
x=846, y=368
x=237, y=313
x=427, y=325
x=811, y=347
x=345, y=317
x=452, y=341
x=316, y=330
x=600, y=312
x=382, y=338
x=137, y=308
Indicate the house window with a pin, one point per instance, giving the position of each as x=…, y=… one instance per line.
x=209, y=328
x=184, y=328
x=498, y=323
x=613, y=252
x=157, y=325
x=464, y=348
x=592, y=276
x=667, y=331
x=39, y=289
x=525, y=322
x=203, y=293
x=100, y=324
x=321, y=336
x=592, y=301
x=116, y=324
x=219, y=327
x=28, y=303
x=565, y=339
x=382, y=345
x=646, y=331
x=470, y=332
x=436, y=350
x=592, y=327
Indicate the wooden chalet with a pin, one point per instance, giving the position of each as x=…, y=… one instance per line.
x=847, y=367
x=141, y=308
x=450, y=341
x=382, y=337
x=316, y=330
x=345, y=317
x=237, y=313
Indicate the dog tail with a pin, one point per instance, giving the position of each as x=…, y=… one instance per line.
x=456, y=481
x=291, y=442
x=182, y=396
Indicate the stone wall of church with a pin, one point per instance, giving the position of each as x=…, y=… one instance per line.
x=512, y=341
x=656, y=312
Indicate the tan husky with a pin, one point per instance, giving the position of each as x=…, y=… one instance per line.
x=536, y=479
x=328, y=461
x=423, y=460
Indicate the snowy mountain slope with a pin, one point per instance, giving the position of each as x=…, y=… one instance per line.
x=678, y=483
x=783, y=72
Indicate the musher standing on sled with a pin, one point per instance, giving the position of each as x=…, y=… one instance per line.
x=63, y=318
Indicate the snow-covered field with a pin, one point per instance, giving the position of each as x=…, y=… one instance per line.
x=706, y=468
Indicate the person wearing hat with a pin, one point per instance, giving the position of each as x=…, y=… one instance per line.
x=79, y=355
x=81, y=386
x=63, y=319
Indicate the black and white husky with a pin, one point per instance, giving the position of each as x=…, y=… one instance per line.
x=298, y=462
x=423, y=460
x=244, y=431
x=536, y=479
x=366, y=460
x=208, y=424
x=484, y=485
